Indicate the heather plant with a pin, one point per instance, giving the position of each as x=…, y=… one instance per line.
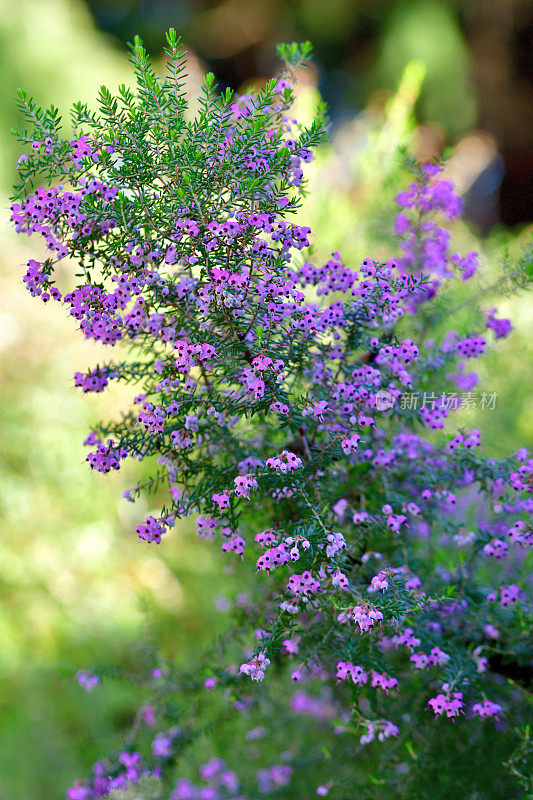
x=383, y=557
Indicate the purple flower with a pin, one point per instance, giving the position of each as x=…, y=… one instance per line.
x=87, y=680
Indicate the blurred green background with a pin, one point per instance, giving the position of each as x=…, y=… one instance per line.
x=77, y=590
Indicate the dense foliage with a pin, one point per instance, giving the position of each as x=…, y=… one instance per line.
x=299, y=412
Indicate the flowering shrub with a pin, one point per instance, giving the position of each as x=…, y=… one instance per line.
x=271, y=404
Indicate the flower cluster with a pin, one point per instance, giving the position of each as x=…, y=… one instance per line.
x=450, y=703
x=256, y=667
x=267, y=405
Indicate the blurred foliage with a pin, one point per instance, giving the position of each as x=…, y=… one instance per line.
x=50, y=48
x=430, y=32
x=77, y=590
x=362, y=45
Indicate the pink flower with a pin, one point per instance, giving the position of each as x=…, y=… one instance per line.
x=221, y=499
x=353, y=672
x=285, y=462
x=256, y=667
x=290, y=647
x=383, y=681
x=449, y=703
x=244, y=484
x=379, y=582
x=486, y=709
